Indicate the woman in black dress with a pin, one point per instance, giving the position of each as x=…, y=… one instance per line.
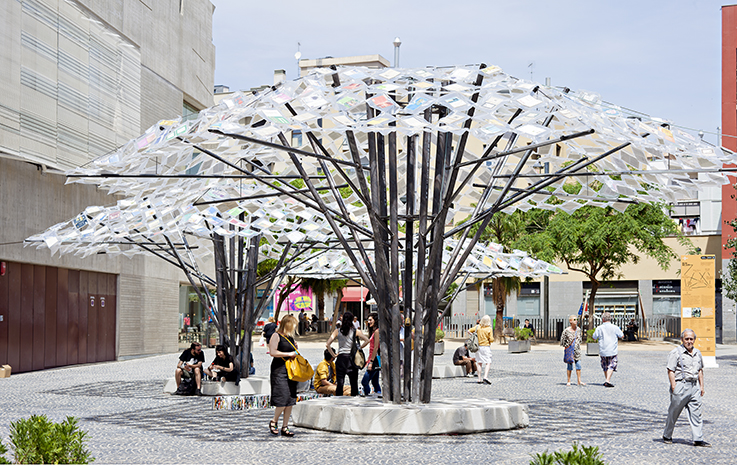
x=283, y=390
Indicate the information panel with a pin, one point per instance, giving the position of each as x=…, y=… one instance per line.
x=697, y=300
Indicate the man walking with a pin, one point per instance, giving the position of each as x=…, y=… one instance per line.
x=686, y=375
x=608, y=336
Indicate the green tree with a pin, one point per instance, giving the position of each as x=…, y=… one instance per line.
x=599, y=241
x=729, y=276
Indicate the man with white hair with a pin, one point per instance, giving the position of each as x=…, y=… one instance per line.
x=608, y=336
x=686, y=375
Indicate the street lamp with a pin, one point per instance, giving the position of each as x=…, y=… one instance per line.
x=397, y=42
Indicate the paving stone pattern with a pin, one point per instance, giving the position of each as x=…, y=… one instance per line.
x=130, y=419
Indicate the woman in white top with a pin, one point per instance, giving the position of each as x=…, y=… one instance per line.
x=344, y=363
x=483, y=356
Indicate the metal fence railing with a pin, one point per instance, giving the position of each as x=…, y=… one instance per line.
x=654, y=328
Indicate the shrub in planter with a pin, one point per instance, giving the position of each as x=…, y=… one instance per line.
x=522, y=334
x=439, y=335
x=40, y=440
x=590, y=336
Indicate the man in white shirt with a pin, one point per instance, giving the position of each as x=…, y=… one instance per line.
x=608, y=336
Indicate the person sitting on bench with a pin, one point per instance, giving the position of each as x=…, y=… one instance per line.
x=222, y=368
x=190, y=365
x=325, y=377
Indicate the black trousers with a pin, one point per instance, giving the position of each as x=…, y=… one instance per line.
x=344, y=366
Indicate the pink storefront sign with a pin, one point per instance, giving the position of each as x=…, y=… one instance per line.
x=300, y=299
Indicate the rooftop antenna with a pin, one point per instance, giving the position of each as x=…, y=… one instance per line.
x=397, y=42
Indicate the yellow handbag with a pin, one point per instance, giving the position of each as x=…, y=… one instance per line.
x=298, y=368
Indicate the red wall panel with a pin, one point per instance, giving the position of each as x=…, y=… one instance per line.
x=84, y=301
x=729, y=116
x=62, y=318
x=39, y=319
x=4, y=299
x=73, y=319
x=111, y=316
x=93, y=302
x=25, y=348
x=51, y=319
x=52, y=277
x=14, y=314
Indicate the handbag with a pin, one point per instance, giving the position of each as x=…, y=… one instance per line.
x=359, y=358
x=568, y=356
x=473, y=341
x=298, y=368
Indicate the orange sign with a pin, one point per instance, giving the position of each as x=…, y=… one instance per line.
x=697, y=300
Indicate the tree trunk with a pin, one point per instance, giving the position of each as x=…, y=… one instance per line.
x=499, y=294
x=288, y=288
x=594, y=287
x=321, y=306
x=336, y=310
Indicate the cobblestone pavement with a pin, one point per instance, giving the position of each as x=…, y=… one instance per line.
x=130, y=420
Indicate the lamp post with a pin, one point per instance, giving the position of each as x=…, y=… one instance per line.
x=397, y=42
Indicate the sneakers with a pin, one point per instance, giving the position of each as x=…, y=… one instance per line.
x=198, y=392
x=701, y=444
x=667, y=440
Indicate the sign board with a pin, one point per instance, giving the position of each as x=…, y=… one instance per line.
x=301, y=299
x=698, y=302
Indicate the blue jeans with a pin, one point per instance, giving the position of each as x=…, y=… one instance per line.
x=578, y=366
x=371, y=376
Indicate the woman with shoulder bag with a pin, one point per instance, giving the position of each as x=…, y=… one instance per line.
x=344, y=364
x=483, y=357
x=373, y=367
x=571, y=340
x=283, y=390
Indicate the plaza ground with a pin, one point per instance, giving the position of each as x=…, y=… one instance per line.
x=130, y=419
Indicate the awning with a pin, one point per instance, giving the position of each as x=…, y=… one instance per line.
x=354, y=294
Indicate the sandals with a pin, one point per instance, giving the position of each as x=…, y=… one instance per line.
x=285, y=432
x=272, y=427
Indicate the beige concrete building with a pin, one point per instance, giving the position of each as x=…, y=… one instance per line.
x=79, y=78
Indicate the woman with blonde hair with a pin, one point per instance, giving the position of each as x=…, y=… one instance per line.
x=571, y=340
x=283, y=390
x=483, y=357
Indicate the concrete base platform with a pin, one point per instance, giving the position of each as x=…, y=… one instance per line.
x=448, y=371
x=357, y=415
x=249, y=386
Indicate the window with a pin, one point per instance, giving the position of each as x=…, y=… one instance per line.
x=296, y=138
x=189, y=112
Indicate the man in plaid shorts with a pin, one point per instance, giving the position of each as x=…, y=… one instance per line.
x=608, y=336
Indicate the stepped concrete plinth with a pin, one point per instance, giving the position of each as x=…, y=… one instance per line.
x=448, y=371
x=247, y=386
x=357, y=415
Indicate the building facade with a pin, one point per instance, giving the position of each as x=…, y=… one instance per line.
x=79, y=78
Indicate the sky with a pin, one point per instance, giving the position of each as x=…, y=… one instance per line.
x=661, y=58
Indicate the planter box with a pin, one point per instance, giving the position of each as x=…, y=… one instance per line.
x=592, y=348
x=440, y=348
x=517, y=347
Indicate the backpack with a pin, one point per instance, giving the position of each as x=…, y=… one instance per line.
x=186, y=387
x=473, y=342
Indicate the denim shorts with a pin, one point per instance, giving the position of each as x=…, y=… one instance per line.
x=578, y=365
